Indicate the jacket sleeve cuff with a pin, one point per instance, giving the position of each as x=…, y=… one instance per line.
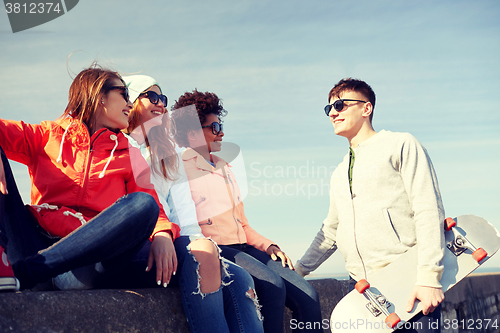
x=171, y=228
x=300, y=269
x=261, y=244
x=429, y=278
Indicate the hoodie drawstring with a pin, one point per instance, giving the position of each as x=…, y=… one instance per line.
x=115, y=139
x=38, y=208
x=78, y=215
x=59, y=158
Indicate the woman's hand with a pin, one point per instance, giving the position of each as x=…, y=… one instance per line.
x=275, y=252
x=3, y=182
x=163, y=253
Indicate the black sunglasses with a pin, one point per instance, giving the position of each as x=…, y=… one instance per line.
x=338, y=105
x=154, y=97
x=216, y=127
x=124, y=91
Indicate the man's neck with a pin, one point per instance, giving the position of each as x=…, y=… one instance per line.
x=363, y=134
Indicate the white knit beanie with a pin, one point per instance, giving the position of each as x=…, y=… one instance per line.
x=137, y=84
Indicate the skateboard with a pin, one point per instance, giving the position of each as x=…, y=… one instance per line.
x=379, y=305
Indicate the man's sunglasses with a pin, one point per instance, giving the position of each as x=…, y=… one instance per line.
x=124, y=90
x=154, y=97
x=338, y=105
x=216, y=127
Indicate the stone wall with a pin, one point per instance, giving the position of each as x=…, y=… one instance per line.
x=471, y=303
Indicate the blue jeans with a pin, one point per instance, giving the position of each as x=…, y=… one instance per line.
x=419, y=323
x=276, y=287
x=111, y=251
x=229, y=309
x=111, y=238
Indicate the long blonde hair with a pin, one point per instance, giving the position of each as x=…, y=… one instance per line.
x=164, y=159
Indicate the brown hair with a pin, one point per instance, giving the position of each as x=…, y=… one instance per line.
x=206, y=103
x=86, y=92
x=164, y=159
x=350, y=84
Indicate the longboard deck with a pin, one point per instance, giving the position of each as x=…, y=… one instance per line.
x=396, y=281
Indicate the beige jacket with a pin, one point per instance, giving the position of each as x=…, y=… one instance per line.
x=218, y=202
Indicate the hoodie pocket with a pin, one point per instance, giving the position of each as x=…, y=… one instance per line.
x=392, y=233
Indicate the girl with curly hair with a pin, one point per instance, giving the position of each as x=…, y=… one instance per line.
x=220, y=214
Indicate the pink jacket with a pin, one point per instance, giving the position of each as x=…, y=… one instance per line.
x=218, y=202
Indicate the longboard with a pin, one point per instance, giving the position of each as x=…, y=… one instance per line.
x=379, y=305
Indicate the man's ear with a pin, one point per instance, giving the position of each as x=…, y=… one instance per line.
x=367, y=109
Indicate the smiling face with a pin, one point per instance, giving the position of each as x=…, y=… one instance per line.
x=352, y=118
x=213, y=141
x=147, y=110
x=114, y=109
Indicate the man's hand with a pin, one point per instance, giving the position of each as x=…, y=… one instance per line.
x=3, y=182
x=275, y=252
x=162, y=252
x=429, y=297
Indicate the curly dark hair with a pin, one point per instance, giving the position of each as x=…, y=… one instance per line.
x=206, y=103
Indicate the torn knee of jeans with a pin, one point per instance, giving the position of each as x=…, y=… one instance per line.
x=198, y=287
x=224, y=272
x=253, y=296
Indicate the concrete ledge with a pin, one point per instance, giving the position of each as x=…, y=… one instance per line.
x=160, y=310
x=140, y=310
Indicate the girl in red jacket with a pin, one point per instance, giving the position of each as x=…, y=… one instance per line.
x=92, y=213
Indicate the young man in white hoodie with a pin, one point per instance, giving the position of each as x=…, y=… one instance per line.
x=384, y=199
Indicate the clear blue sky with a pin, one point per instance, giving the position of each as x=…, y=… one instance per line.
x=433, y=65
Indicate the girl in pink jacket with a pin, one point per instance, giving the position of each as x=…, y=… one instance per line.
x=221, y=216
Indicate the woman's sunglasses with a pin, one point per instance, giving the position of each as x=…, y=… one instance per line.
x=124, y=90
x=338, y=105
x=216, y=127
x=154, y=97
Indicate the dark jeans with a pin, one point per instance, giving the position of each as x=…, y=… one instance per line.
x=111, y=238
x=419, y=323
x=111, y=251
x=228, y=309
x=276, y=287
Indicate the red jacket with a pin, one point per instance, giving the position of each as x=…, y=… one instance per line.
x=76, y=175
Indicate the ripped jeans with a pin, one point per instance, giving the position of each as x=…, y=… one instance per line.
x=236, y=296
x=232, y=308
x=111, y=251
x=276, y=287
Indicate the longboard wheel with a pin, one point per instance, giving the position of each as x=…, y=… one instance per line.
x=479, y=254
x=392, y=320
x=449, y=223
x=362, y=285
